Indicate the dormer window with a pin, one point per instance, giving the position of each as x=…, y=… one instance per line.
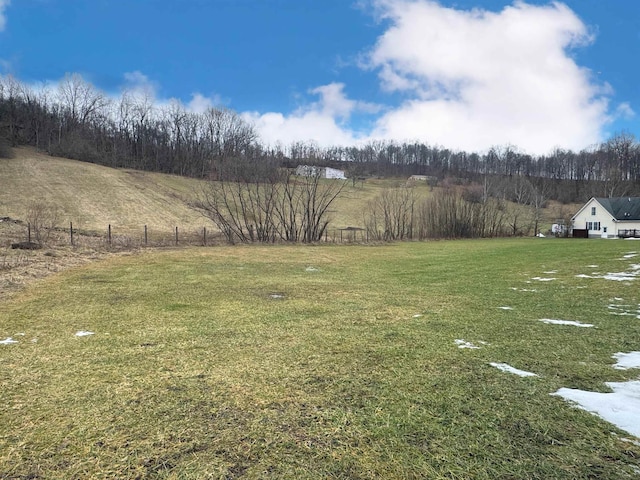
x=593, y=210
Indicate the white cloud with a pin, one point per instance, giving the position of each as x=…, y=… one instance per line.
x=320, y=121
x=140, y=86
x=477, y=78
x=625, y=111
x=3, y=17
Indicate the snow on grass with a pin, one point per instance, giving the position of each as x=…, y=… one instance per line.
x=621, y=407
x=523, y=289
x=311, y=269
x=84, y=333
x=627, y=360
x=565, y=322
x=630, y=255
x=543, y=279
x=8, y=341
x=464, y=344
x=623, y=309
x=505, y=308
x=509, y=369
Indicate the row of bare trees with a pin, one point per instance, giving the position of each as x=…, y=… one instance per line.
x=77, y=120
x=452, y=212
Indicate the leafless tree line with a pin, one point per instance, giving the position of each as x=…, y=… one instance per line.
x=454, y=212
x=76, y=120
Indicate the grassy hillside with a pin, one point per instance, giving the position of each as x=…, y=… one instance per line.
x=92, y=196
x=321, y=362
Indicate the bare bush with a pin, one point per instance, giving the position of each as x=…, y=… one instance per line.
x=43, y=219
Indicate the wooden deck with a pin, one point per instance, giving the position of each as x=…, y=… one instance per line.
x=629, y=233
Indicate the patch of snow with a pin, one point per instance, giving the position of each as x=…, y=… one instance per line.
x=635, y=442
x=464, y=344
x=627, y=360
x=630, y=255
x=524, y=289
x=8, y=341
x=540, y=235
x=505, y=308
x=509, y=369
x=542, y=279
x=276, y=296
x=620, y=276
x=417, y=315
x=84, y=333
x=621, y=407
x=565, y=322
x=551, y=272
x=311, y=269
x=592, y=266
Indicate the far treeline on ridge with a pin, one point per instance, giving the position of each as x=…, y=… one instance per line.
x=78, y=121
x=252, y=196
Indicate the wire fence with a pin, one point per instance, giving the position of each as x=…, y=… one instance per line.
x=114, y=237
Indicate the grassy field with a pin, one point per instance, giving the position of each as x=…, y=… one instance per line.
x=319, y=362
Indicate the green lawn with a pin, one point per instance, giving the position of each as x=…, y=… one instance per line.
x=318, y=362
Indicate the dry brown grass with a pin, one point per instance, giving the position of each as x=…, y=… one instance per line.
x=92, y=196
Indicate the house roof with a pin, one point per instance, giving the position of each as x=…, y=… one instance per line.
x=622, y=208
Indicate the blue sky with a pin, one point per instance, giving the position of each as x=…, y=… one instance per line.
x=465, y=74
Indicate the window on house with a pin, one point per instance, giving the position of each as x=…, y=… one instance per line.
x=593, y=210
x=593, y=226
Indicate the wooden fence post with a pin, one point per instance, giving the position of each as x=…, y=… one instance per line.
x=109, y=234
x=176, y=235
x=29, y=232
x=145, y=235
x=71, y=232
x=204, y=236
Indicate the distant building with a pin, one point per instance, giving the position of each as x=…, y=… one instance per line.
x=322, y=172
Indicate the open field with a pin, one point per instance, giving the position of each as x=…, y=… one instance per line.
x=322, y=362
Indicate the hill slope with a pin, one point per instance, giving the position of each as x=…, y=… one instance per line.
x=92, y=196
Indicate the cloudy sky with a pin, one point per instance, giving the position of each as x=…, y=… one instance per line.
x=463, y=74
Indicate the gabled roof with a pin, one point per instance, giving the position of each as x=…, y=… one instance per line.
x=622, y=208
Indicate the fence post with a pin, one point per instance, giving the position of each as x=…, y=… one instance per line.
x=176, y=235
x=145, y=235
x=71, y=232
x=109, y=234
x=29, y=232
x=204, y=236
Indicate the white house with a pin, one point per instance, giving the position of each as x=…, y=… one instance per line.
x=609, y=217
x=322, y=172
